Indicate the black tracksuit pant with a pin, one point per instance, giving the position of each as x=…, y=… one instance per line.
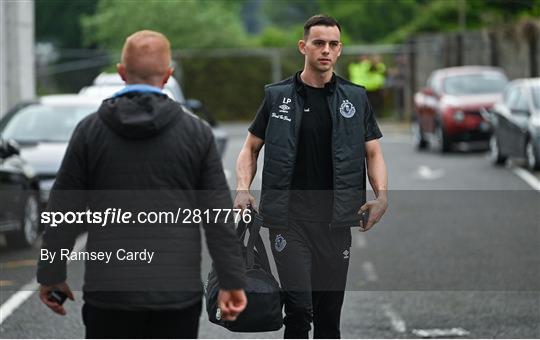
x=104, y=323
x=312, y=262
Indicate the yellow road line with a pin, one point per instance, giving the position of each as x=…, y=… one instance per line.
x=18, y=263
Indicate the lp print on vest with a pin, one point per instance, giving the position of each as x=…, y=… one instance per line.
x=347, y=109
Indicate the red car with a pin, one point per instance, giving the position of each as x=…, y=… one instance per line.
x=451, y=108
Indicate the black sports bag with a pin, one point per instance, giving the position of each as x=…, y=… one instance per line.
x=263, y=311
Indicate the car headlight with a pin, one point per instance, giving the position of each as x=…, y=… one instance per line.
x=459, y=116
x=45, y=187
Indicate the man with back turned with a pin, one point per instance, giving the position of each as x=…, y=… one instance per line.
x=144, y=151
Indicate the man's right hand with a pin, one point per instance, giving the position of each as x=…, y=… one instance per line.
x=55, y=307
x=231, y=303
x=244, y=199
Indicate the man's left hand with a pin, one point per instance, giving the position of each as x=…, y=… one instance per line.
x=376, y=209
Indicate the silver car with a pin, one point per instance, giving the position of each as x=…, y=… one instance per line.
x=516, y=122
x=107, y=84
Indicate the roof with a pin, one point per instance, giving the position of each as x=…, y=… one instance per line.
x=106, y=91
x=107, y=84
x=108, y=79
x=70, y=100
x=450, y=71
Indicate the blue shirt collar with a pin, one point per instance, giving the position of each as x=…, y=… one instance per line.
x=138, y=88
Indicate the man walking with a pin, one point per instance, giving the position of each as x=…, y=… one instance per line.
x=319, y=131
x=143, y=152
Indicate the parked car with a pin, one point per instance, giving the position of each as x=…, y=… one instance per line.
x=516, y=121
x=42, y=129
x=107, y=84
x=19, y=215
x=449, y=109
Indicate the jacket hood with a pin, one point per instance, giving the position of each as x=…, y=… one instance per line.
x=139, y=115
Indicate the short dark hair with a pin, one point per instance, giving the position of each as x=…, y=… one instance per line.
x=320, y=20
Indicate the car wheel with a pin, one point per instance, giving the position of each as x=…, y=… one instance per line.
x=418, y=137
x=532, y=160
x=28, y=234
x=445, y=143
x=495, y=151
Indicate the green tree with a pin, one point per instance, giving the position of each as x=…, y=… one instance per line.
x=289, y=13
x=273, y=36
x=57, y=21
x=363, y=21
x=187, y=23
x=371, y=20
x=443, y=15
x=493, y=12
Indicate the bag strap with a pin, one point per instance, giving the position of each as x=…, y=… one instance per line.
x=241, y=230
x=261, y=249
x=255, y=242
x=243, y=226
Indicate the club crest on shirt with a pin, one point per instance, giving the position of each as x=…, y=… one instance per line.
x=280, y=243
x=347, y=109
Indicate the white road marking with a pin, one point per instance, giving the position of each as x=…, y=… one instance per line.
x=17, y=299
x=361, y=241
x=398, y=324
x=527, y=177
x=426, y=173
x=369, y=270
x=440, y=333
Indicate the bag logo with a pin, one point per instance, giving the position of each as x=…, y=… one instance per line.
x=346, y=254
x=280, y=243
x=347, y=109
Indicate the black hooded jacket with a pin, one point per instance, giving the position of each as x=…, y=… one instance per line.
x=142, y=152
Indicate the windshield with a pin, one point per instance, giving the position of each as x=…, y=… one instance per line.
x=535, y=89
x=479, y=83
x=41, y=123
